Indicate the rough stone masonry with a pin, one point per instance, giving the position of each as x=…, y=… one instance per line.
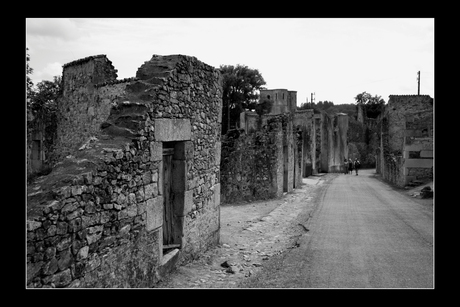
x=137, y=185
x=406, y=139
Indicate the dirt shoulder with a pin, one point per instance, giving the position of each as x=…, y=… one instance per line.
x=251, y=233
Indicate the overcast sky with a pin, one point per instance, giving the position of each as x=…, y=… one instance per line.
x=336, y=58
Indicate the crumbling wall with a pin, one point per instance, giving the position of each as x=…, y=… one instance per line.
x=406, y=126
x=249, y=121
x=397, y=108
x=288, y=153
x=284, y=101
x=418, y=146
x=97, y=219
x=334, y=143
x=317, y=142
x=262, y=164
x=84, y=105
x=304, y=122
x=252, y=164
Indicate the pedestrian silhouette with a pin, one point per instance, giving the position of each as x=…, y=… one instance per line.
x=356, y=165
x=350, y=166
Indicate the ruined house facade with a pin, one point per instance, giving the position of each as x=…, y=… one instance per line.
x=260, y=164
x=270, y=154
x=406, y=139
x=137, y=186
x=284, y=101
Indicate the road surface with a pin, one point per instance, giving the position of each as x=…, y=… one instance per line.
x=362, y=234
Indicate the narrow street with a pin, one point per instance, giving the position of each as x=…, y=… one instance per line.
x=362, y=234
x=251, y=234
x=336, y=231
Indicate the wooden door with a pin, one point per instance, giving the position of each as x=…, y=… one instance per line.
x=168, y=213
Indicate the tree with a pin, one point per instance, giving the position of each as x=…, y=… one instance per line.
x=240, y=88
x=43, y=108
x=264, y=107
x=362, y=98
x=372, y=105
x=29, y=71
x=44, y=98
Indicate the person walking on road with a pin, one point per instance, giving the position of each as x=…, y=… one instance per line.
x=356, y=165
x=345, y=166
x=350, y=166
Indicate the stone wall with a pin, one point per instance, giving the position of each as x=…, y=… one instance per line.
x=252, y=164
x=84, y=104
x=99, y=218
x=363, y=141
x=334, y=144
x=304, y=122
x=249, y=121
x=262, y=164
x=284, y=101
x=405, y=131
x=397, y=108
x=418, y=146
x=317, y=142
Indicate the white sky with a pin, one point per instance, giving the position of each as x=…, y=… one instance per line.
x=336, y=58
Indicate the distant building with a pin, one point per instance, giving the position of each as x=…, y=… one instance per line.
x=284, y=101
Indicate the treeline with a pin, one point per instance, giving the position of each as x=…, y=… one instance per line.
x=372, y=106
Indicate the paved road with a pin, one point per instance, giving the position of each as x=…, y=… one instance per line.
x=363, y=234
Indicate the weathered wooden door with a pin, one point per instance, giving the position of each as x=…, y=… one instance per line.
x=168, y=213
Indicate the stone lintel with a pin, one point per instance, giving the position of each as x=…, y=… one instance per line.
x=169, y=130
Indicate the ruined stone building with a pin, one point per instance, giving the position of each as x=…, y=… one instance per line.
x=284, y=101
x=406, y=139
x=270, y=154
x=334, y=142
x=259, y=164
x=137, y=186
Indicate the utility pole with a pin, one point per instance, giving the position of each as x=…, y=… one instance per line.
x=312, y=98
x=418, y=82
